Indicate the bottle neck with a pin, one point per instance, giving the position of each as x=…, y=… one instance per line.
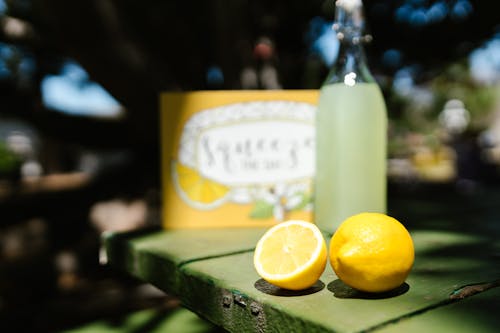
x=350, y=66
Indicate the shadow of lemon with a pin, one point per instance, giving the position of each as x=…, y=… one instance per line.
x=270, y=289
x=341, y=290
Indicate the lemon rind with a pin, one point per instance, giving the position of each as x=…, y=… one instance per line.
x=302, y=268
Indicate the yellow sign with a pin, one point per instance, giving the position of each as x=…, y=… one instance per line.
x=237, y=158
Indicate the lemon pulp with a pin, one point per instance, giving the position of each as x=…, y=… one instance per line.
x=291, y=255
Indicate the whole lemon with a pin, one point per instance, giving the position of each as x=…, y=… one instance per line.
x=372, y=252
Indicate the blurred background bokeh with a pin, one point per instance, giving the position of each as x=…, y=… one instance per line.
x=79, y=150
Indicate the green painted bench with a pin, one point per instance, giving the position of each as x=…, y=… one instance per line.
x=452, y=287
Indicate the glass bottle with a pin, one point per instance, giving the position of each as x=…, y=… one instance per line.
x=351, y=130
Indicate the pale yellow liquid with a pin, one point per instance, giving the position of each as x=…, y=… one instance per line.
x=351, y=141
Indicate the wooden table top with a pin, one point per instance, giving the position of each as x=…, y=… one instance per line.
x=452, y=286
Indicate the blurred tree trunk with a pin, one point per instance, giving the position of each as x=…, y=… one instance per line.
x=91, y=33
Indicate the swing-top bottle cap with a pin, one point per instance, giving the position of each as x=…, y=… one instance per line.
x=350, y=21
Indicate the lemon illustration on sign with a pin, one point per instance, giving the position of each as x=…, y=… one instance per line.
x=372, y=252
x=291, y=255
x=196, y=189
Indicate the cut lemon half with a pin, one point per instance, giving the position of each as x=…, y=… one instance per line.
x=291, y=255
x=196, y=189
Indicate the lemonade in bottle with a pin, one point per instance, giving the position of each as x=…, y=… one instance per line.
x=351, y=130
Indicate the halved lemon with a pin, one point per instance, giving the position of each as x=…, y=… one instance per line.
x=291, y=255
x=196, y=189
